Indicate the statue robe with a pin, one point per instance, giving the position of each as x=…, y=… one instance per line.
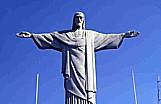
x=78, y=59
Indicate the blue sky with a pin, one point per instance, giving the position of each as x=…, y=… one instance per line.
x=21, y=60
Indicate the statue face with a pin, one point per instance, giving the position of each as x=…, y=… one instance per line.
x=79, y=19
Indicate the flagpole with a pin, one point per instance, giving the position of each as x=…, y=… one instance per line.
x=134, y=87
x=158, y=87
x=37, y=87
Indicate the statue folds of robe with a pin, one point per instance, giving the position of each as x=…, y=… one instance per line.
x=78, y=59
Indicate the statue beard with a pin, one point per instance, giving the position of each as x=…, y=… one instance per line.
x=77, y=27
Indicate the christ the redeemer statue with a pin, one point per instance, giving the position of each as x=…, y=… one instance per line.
x=78, y=59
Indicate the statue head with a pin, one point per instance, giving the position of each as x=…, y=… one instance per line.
x=78, y=21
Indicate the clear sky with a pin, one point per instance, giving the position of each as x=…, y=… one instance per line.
x=21, y=60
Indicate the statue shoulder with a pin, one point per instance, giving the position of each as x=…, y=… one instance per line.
x=90, y=31
x=63, y=31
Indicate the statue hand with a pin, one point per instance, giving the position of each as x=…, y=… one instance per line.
x=131, y=34
x=24, y=35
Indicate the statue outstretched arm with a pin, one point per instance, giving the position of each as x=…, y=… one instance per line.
x=111, y=41
x=43, y=41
